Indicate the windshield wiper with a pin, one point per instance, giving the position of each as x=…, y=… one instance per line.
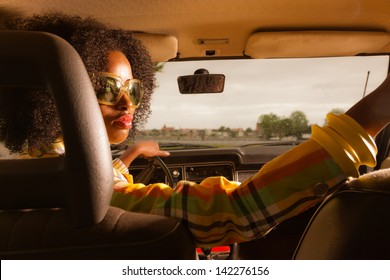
x=177, y=145
x=275, y=143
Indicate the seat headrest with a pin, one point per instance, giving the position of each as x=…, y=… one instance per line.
x=376, y=180
x=82, y=179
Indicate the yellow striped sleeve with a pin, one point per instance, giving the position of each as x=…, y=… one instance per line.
x=220, y=212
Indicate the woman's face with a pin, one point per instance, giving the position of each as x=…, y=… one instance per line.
x=118, y=118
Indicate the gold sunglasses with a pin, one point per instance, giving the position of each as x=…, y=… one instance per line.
x=109, y=89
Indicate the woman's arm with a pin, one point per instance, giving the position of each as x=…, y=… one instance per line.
x=372, y=112
x=145, y=149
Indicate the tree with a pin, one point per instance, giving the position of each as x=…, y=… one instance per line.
x=202, y=133
x=337, y=111
x=272, y=125
x=299, y=124
x=269, y=124
x=248, y=131
x=233, y=133
x=284, y=127
x=158, y=66
x=155, y=132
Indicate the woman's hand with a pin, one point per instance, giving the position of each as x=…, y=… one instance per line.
x=372, y=112
x=144, y=149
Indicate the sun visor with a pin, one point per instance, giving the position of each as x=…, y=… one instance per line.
x=161, y=47
x=315, y=43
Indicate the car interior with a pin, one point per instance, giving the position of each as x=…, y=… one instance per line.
x=75, y=221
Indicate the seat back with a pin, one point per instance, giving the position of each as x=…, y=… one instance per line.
x=58, y=208
x=41, y=59
x=353, y=223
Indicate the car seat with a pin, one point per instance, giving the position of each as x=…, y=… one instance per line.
x=353, y=223
x=58, y=208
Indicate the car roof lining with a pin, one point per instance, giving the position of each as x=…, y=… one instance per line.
x=316, y=43
x=236, y=21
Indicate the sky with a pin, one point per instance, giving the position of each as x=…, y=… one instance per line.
x=256, y=87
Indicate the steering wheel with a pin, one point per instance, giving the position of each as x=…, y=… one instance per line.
x=154, y=162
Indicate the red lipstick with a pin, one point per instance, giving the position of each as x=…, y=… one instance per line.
x=124, y=122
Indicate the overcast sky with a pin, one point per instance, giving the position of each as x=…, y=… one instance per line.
x=256, y=87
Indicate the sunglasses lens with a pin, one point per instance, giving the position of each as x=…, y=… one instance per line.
x=108, y=89
x=135, y=92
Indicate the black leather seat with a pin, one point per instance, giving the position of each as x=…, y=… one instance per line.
x=353, y=223
x=280, y=243
x=58, y=208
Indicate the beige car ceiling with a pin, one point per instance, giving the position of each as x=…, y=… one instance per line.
x=225, y=28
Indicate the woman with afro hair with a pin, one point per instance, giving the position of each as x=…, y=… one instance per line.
x=216, y=211
x=37, y=121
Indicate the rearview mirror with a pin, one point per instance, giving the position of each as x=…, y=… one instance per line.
x=201, y=82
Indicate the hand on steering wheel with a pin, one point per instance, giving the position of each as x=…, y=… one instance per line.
x=154, y=162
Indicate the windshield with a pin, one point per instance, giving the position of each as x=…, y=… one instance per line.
x=264, y=100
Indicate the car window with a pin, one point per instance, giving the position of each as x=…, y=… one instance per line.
x=263, y=100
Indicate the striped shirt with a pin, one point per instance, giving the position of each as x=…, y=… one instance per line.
x=219, y=212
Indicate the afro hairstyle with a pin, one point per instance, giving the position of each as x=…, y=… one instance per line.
x=29, y=116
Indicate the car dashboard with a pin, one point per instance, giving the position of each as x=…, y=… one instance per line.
x=235, y=164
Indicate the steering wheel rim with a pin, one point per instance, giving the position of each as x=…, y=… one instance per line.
x=154, y=162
